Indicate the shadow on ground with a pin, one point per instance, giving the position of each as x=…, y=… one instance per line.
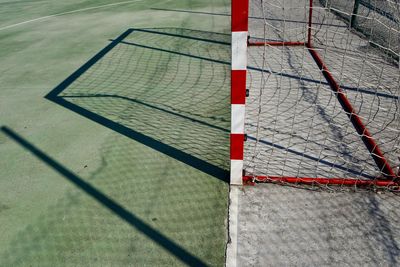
x=159, y=196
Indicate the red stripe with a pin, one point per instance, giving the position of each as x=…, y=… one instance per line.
x=237, y=144
x=240, y=14
x=238, y=87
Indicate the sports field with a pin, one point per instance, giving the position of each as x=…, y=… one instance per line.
x=114, y=132
x=115, y=119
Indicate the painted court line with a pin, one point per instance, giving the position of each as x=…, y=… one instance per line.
x=68, y=12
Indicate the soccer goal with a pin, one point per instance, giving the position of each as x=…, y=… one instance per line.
x=315, y=92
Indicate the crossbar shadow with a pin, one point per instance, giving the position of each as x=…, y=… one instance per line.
x=174, y=248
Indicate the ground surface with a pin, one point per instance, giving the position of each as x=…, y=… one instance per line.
x=123, y=164
x=284, y=226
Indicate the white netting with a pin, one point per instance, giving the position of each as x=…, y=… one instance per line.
x=295, y=124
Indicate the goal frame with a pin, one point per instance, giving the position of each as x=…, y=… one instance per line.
x=240, y=43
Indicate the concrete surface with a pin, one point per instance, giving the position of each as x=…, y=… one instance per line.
x=284, y=226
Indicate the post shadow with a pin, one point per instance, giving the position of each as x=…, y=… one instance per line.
x=124, y=214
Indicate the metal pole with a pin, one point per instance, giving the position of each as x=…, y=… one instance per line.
x=354, y=14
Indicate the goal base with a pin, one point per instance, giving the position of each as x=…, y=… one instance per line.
x=252, y=180
x=276, y=43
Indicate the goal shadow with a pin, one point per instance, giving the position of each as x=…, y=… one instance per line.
x=165, y=88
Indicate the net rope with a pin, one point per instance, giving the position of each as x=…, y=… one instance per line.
x=295, y=125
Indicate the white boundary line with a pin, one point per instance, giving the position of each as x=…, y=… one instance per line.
x=232, y=249
x=68, y=12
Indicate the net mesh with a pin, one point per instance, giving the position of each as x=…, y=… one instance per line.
x=295, y=124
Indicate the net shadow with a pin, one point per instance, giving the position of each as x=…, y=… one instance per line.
x=166, y=88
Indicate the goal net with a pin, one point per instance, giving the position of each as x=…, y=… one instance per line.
x=323, y=95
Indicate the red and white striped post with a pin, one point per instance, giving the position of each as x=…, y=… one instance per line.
x=240, y=10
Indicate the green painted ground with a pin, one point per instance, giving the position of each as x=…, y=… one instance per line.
x=124, y=166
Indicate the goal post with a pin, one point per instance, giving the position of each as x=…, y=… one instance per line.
x=322, y=92
x=238, y=87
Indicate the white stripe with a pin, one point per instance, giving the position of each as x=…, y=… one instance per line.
x=231, y=250
x=236, y=171
x=239, y=50
x=68, y=12
x=237, y=118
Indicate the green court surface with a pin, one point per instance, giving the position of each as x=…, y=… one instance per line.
x=114, y=133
